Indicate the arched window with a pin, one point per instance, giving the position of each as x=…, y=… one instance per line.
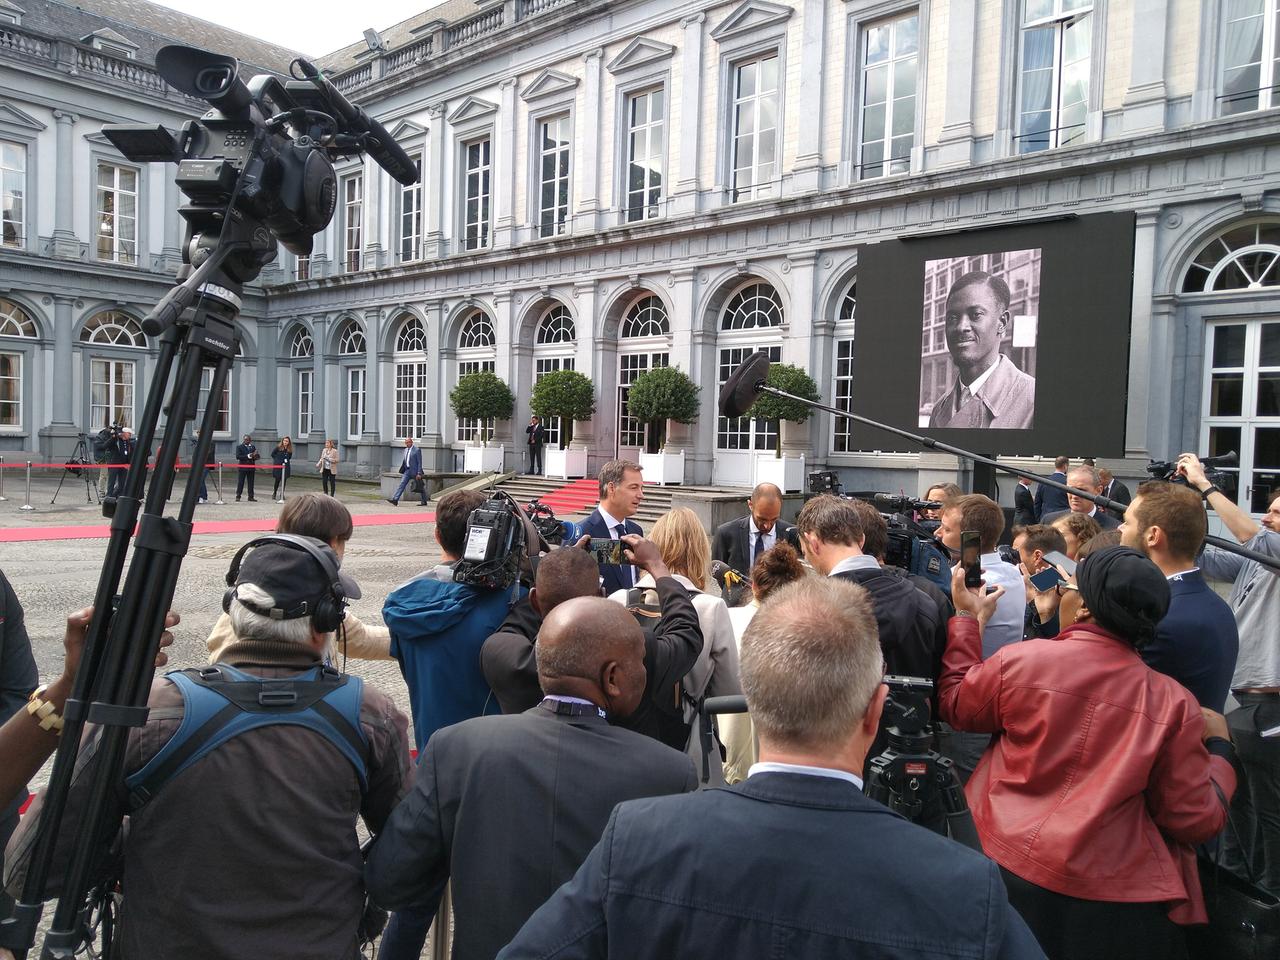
x=410, y=394
x=755, y=306
x=556, y=326
x=14, y=321
x=477, y=331
x=351, y=343
x=301, y=346
x=646, y=317
x=113, y=328
x=842, y=441
x=1241, y=258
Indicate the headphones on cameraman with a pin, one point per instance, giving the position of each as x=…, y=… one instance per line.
x=326, y=612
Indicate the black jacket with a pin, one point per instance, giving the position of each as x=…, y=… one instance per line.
x=1024, y=506
x=781, y=865
x=1050, y=499
x=913, y=628
x=507, y=808
x=1117, y=491
x=536, y=435
x=507, y=659
x=246, y=454
x=732, y=544
x=18, y=673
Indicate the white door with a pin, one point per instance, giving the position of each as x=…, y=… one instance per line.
x=739, y=439
x=631, y=432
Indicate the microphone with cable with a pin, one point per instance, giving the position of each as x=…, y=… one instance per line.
x=727, y=577
x=376, y=140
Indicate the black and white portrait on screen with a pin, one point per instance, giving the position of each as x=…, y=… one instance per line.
x=978, y=345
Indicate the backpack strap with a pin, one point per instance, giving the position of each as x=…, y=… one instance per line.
x=640, y=604
x=221, y=702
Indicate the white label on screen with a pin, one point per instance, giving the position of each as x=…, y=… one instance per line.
x=1024, y=331
x=477, y=543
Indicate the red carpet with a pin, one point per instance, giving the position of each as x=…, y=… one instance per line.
x=256, y=525
x=578, y=496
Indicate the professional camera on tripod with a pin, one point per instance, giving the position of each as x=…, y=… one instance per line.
x=258, y=171
x=504, y=541
x=911, y=545
x=1168, y=469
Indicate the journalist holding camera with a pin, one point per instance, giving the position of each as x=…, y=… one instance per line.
x=118, y=448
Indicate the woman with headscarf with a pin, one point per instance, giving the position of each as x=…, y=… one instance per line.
x=1101, y=775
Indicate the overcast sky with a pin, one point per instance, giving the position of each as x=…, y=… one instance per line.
x=312, y=27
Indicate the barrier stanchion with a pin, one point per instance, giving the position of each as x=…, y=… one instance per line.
x=284, y=481
x=3, y=498
x=220, y=502
x=27, y=505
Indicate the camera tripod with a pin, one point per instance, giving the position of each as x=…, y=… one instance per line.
x=81, y=465
x=914, y=780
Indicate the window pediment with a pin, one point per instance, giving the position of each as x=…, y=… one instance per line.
x=750, y=17
x=638, y=53
x=548, y=83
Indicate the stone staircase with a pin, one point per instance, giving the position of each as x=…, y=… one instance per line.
x=575, y=499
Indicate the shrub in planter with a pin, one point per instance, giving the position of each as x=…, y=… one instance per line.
x=482, y=396
x=784, y=376
x=660, y=395
x=566, y=394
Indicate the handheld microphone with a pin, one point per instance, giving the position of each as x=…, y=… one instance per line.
x=728, y=577
x=377, y=141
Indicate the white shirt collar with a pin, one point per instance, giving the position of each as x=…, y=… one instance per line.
x=609, y=520
x=1181, y=573
x=982, y=378
x=751, y=525
x=563, y=699
x=771, y=767
x=859, y=562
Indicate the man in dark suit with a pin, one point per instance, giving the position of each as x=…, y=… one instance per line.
x=1024, y=507
x=794, y=861
x=410, y=470
x=536, y=436
x=1084, y=478
x=621, y=491
x=247, y=456
x=738, y=543
x=1051, y=499
x=1115, y=490
x=1197, y=641
x=508, y=807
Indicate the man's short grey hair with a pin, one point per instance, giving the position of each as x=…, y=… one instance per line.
x=249, y=625
x=811, y=662
x=1084, y=470
x=614, y=472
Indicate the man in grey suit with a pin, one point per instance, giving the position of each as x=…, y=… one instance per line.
x=507, y=807
x=738, y=543
x=1084, y=477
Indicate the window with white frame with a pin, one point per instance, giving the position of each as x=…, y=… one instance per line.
x=475, y=211
x=355, y=402
x=300, y=344
x=113, y=328
x=116, y=212
x=14, y=321
x=411, y=379
x=554, y=342
x=15, y=324
x=306, y=395
x=222, y=421
x=754, y=151
x=352, y=222
x=890, y=52
x=409, y=245
x=1250, y=76
x=744, y=433
x=553, y=175
x=842, y=395
x=351, y=343
x=111, y=392
x=13, y=194
x=755, y=306
x=476, y=354
x=1244, y=257
x=646, y=145
x=647, y=317
x=471, y=429
x=1054, y=57
x=303, y=268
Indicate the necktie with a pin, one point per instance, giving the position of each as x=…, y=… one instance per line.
x=759, y=547
x=627, y=576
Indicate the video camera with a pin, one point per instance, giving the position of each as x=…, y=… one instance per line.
x=911, y=545
x=503, y=542
x=1168, y=469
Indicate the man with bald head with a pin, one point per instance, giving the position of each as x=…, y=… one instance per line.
x=740, y=542
x=507, y=807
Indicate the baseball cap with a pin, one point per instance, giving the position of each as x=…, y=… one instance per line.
x=293, y=577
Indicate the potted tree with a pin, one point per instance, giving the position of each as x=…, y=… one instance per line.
x=656, y=398
x=484, y=397
x=785, y=471
x=570, y=396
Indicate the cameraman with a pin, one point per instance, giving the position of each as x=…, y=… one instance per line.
x=119, y=450
x=1255, y=601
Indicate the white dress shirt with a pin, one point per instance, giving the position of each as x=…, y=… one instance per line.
x=613, y=523
x=770, y=539
x=1005, y=625
x=859, y=562
x=772, y=767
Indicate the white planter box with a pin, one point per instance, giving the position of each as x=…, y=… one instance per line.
x=785, y=471
x=483, y=459
x=567, y=464
x=663, y=468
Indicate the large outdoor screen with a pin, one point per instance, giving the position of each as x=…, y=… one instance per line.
x=1008, y=341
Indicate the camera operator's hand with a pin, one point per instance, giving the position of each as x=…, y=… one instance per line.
x=78, y=626
x=1189, y=466
x=645, y=555
x=973, y=600
x=1215, y=724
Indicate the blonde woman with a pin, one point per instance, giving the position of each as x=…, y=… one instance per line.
x=328, y=467
x=686, y=551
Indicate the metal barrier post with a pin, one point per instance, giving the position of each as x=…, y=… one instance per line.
x=220, y=502
x=27, y=505
x=3, y=498
x=284, y=480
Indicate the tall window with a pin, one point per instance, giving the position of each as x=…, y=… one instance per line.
x=1250, y=56
x=352, y=221
x=411, y=379
x=553, y=176
x=475, y=214
x=476, y=354
x=305, y=400
x=842, y=440
x=111, y=393
x=753, y=310
x=888, y=118
x=304, y=266
x=13, y=194
x=355, y=402
x=744, y=433
x=222, y=422
x=1053, y=74
x=646, y=135
x=553, y=350
x=14, y=323
x=117, y=213
x=410, y=220
x=302, y=348
x=755, y=126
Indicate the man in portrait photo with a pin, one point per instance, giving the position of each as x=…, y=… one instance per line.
x=989, y=391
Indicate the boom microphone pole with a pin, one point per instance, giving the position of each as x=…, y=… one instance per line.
x=747, y=382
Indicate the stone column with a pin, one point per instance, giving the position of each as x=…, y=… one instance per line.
x=1144, y=101
x=955, y=144
x=503, y=169
x=683, y=188
x=433, y=184
x=504, y=336
x=586, y=190
x=1150, y=349
x=371, y=210
x=799, y=344
x=372, y=378
x=431, y=439
x=171, y=253
x=806, y=174
x=319, y=336
x=65, y=241
x=58, y=439
x=267, y=412
x=594, y=436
